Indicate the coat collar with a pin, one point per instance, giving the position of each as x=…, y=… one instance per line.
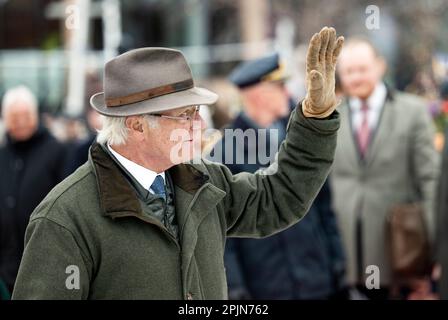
x=117, y=196
x=40, y=134
x=194, y=199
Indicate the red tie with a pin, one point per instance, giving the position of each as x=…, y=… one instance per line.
x=364, y=130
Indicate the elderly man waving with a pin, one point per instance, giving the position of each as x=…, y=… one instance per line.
x=138, y=222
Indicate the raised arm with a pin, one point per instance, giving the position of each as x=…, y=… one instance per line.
x=261, y=204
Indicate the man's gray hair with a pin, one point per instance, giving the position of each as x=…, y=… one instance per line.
x=20, y=93
x=115, y=132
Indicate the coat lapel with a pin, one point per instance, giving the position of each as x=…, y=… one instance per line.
x=382, y=133
x=379, y=136
x=346, y=133
x=117, y=198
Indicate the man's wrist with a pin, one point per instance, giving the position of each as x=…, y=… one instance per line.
x=327, y=125
x=310, y=112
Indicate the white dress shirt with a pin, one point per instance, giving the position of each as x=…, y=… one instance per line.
x=375, y=103
x=144, y=176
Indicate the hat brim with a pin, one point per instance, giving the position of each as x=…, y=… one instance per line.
x=190, y=97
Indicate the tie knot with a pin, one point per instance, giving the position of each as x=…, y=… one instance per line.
x=158, y=186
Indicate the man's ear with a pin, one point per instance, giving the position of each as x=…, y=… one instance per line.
x=134, y=125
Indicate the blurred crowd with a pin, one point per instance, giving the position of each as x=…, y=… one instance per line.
x=390, y=155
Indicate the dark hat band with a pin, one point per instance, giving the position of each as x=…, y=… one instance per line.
x=150, y=93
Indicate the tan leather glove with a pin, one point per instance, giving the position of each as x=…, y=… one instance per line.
x=323, y=51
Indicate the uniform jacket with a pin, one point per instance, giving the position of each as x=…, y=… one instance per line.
x=257, y=154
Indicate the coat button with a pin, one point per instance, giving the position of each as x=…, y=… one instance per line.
x=189, y=296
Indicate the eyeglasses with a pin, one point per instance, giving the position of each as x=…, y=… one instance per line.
x=189, y=115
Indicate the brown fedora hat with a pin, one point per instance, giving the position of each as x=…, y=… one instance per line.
x=148, y=80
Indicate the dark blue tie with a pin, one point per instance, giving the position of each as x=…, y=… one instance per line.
x=158, y=186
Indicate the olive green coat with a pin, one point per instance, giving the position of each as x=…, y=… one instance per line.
x=93, y=222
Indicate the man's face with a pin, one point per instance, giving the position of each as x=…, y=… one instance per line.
x=21, y=121
x=275, y=99
x=177, y=134
x=269, y=99
x=360, y=70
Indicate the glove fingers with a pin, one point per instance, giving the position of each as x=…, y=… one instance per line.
x=322, y=54
x=337, y=49
x=331, y=46
x=313, y=53
x=323, y=48
x=315, y=86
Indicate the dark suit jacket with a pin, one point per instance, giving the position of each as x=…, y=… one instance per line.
x=442, y=222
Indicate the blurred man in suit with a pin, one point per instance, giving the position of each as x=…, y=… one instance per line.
x=385, y=156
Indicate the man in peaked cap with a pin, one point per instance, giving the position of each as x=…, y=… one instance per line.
x=268, y=68
x=266, y=107
x=307, y=259
x=139, y=221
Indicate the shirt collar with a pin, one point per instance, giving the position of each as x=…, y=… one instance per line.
x=143, y=175
x=375, y=101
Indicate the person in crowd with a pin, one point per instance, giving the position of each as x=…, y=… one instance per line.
x=32, y=163
x=384, y=157
x=305, y=261
x=145, y=218
x=80, y=151
x=442, y=207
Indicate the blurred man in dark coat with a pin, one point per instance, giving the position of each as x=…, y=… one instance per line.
x=305, y=261
x=442, y=209
x=31, y=164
